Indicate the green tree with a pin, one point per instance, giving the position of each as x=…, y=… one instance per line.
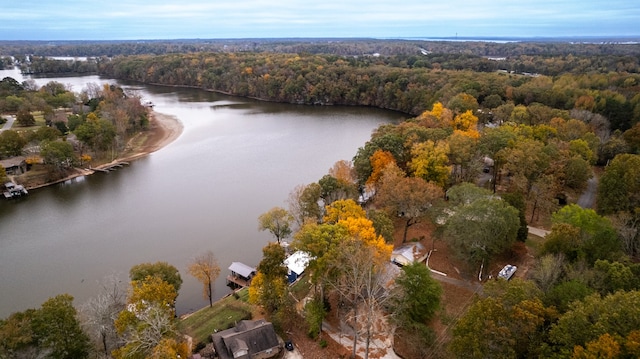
x=58, y=154
x=382, y=223
x=418, y=295
x=56, y=327
x=277, y=221
x=269, y=286
x=509, y=322
x=303, y=203
x=205, y=269
x=482, y=229
x=11, y=143
x=333, y=189
x=162, y=270
x=619, y=188
x=17, y=339
x=565, y=293
x=25, y=118
x=97, y=133
x=616, y=314
x=597, y=238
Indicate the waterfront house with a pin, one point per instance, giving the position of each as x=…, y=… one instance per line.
x=296, y=264
x=15, y=165
x=241, y=274
x=249, y=339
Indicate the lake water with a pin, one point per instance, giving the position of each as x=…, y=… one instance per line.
x=236, y=159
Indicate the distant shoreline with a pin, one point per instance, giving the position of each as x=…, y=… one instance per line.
x=163, y=130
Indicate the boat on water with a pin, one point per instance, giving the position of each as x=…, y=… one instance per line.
x=13, y=190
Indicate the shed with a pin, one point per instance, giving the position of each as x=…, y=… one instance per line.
x=296, y=265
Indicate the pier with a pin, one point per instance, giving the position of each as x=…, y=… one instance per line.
x=110, y=167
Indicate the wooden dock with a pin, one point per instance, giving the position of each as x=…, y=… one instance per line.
x=110, y=167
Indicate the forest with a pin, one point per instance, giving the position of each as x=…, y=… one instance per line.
x=501, y=136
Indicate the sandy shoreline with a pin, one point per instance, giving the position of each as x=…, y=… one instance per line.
x=163, y=129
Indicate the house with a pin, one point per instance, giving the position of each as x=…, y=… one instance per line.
x=409, y=253
x=249, y=339
x=241, y=274
x=296, y=264
x=15, y=165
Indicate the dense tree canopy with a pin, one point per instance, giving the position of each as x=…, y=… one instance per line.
x=162, y=270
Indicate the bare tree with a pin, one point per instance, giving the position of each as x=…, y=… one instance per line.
x=100, y=312
x=360, y=277
x=205, y=269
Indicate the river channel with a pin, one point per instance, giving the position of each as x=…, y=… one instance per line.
x=235, y=159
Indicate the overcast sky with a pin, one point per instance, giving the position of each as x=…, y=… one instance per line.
x=174, y=19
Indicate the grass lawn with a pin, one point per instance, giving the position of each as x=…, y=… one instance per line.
x=224, y=314
x=301, y=288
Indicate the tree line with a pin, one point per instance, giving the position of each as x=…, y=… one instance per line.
x=391, y=83
x=332, y=46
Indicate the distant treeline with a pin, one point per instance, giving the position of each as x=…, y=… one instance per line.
x=44, y=65
x=391, y=82
x=335, y=46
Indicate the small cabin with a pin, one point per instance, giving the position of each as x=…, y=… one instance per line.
x=241, y=274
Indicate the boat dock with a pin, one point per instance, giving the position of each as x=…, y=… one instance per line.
x=110, y=167
x=13, y=190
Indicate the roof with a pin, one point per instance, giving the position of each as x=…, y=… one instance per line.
x=297, y=262
x=248, y=336
x=13, y=161
x=507, y=272
x=242, y=269
x=408, y=253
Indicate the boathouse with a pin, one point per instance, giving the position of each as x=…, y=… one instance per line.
x=241, y=274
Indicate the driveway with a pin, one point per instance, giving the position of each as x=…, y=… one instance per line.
x=7, y=125
x=295, y=354
x=588, y=197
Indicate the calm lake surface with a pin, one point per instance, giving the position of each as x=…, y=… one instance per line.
x=235, y=159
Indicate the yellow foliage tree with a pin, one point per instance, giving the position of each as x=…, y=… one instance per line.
x=467, y=124
x=205, y=269
x=343, y=209
x=430, y=162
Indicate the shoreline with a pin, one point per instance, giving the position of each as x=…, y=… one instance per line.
x=163, y=130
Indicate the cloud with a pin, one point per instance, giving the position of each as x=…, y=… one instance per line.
x=329, y=18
